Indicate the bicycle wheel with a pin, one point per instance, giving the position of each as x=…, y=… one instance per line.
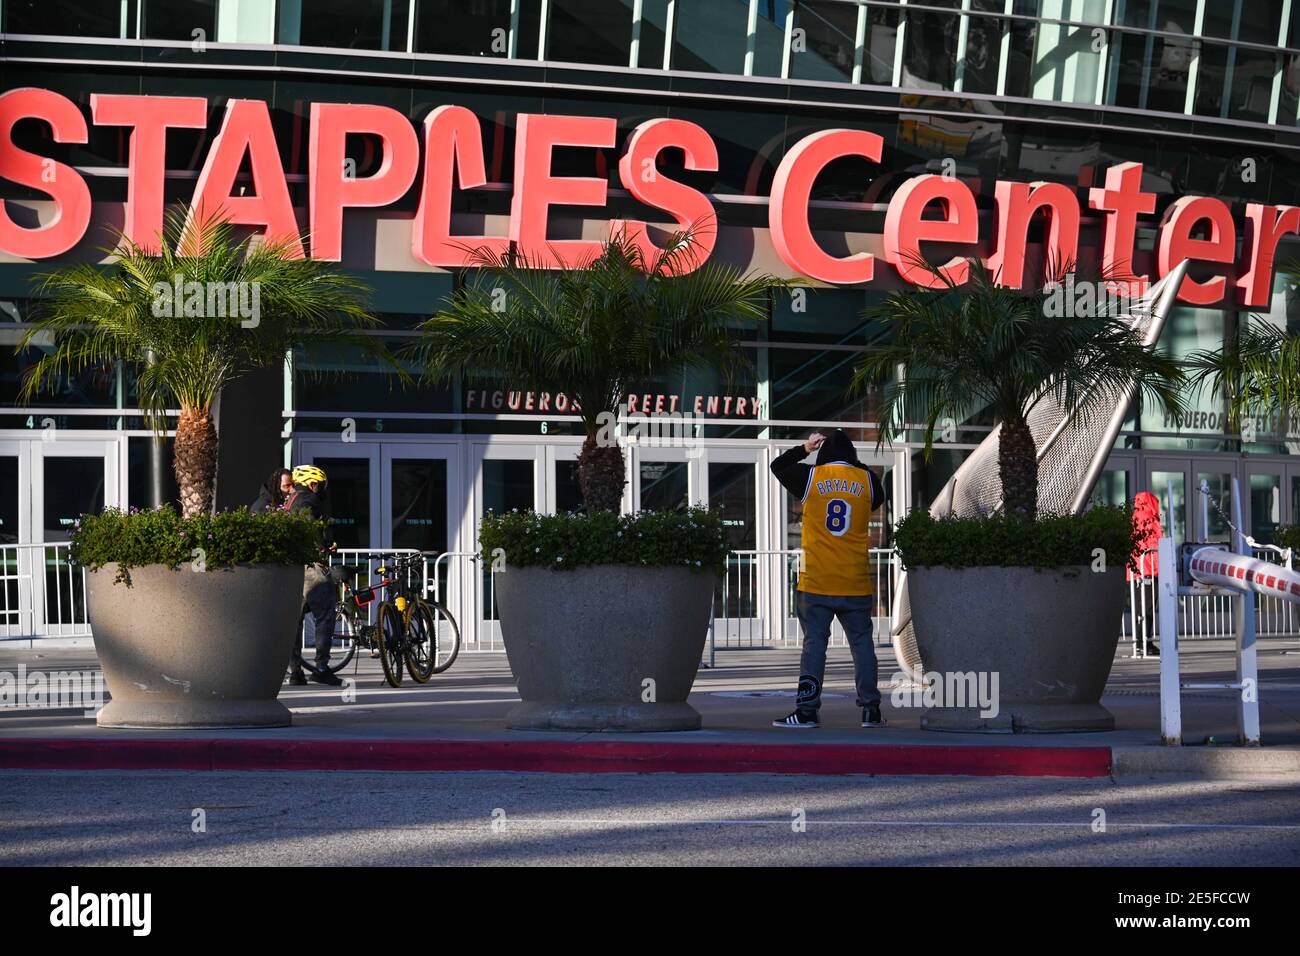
x=420, y=643
x=389, y=633
x=446, y=636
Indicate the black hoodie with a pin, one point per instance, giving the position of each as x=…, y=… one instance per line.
x=790, y=469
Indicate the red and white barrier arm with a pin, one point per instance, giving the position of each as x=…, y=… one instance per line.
x=1225, y=569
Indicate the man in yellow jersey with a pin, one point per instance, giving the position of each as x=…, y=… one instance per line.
x=838, y=494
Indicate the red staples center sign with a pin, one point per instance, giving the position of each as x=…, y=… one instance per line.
x=1200, y=228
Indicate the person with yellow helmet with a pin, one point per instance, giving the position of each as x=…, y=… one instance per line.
x=319, y=594
x=838, y=494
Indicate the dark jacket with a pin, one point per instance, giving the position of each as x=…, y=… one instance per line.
x=318, y=585
x=303, y=498
x=790, y=469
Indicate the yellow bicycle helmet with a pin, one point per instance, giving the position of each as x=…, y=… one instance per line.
x=308, y=474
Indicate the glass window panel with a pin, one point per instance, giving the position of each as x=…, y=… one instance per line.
x=809, y=385
x=983, y=49
x=663, y=485
x=137, y=474
x=589, y=31
x=930, y=51
x=1219, y=486
x=568, y=492
x=73, y=486
x=1076, y=11
x=478, y=28
x=1067, y=57
x=79, y=18
x=709, y=37
x=508, y=484
x=825, y=47
x=1160, y=483
x=178, y=19
x=880, y=46
x=1252, y=84
x=1265, y=507
x=1187, y=330
x=347, y=500
x=654, y=21
x=1169, y=16
x=1111, y=488
x=1149, y=72
x=1211, y=67
x=1288, y=102
x=355, y=24
x=733, y=491
x=1247, y=20
x=769, y=37
x=419, y=518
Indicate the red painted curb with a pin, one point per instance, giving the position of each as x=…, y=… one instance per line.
x=558, y=757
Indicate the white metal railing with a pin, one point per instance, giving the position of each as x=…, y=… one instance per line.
x=754, y=605
x=1208, y=616
x=42, y=594
x=363, y=563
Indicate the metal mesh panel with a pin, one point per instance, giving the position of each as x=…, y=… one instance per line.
x=1072, y=451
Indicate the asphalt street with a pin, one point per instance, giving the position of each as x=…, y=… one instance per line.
x=243, y=819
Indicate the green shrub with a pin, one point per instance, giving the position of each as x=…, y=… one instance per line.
x=695, y=538
x=137, y=538
x=1051, y=541
x=1288, y=536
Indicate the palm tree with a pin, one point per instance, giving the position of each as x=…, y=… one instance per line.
x=1258, y=372
x=202, y=311
x=986, y=346
x=594, y=331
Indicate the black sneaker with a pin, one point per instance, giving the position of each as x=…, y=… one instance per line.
x=297, y=680
x=871, y=716
x=1152, y=650
x=800, y=718
x=327, y=676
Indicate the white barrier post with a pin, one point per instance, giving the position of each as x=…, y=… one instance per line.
x=1171, y=707
x=1247, y=658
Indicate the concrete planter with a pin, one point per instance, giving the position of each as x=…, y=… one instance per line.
x=1049, y=636
x=583, y=643
x=187, y=649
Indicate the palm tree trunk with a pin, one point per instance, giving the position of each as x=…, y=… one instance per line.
x=601, y=475
x=1018, y=468
x=196, y=460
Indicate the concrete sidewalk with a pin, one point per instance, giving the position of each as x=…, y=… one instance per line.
x=457, y=722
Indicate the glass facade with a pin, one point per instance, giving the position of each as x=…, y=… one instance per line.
x=1232, y=59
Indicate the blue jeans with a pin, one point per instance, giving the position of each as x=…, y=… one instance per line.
x=816, y=612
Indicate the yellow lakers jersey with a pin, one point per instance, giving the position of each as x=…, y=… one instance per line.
x=835, y=540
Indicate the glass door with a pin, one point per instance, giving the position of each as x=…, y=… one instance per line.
x=563, y=493
x=1169, y=480
x=69, y=478
x=15, y=528
x=1195, y=517
x=352, y=495
x=732, y=484
x=505, y=476
x=421, y=502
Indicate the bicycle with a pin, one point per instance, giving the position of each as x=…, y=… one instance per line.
x=409, y=629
